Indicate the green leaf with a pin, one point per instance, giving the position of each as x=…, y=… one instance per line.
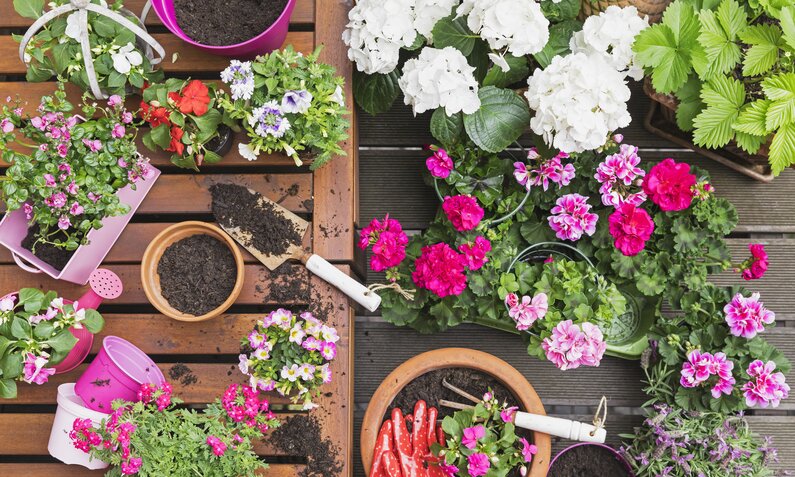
x=501, y=119
x=763, y=53
x=29, y=8
x=211, y=158
x=32, y=299
x=43, y=330
x=560, y=10
x=454, y=32
x=375, y=93
x=713, y=126
x=161, y=135
x=62, y=342
x=208, y=122
x=719, y=31
x=61, y=56
x=782, y=149
x=12, y=365
x=8, y=389
x=447, y=129
x=781, y=89
x=752, y=118
x=559, y=39
x=116, y=79
x=20, y=328
x=4, y=344
x=788, y=25
x=149, y=142
x=519, y=70
x=93, y=321
x=749, y=143
x=656, y=48
x=37, y=73
x=690, y=104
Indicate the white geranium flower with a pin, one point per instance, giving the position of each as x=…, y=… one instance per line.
x=429, y=12
x=126, y=58
x=578, y=100
x=246, y=151
x=516, y=25
x=610, y=35
x=376, y=31
x=440, y=78
x=72, y=26
x=338, y=96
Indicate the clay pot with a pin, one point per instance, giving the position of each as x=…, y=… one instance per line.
x=609, y=450
x=454, y=358
x=651, y=8
x=151, y=280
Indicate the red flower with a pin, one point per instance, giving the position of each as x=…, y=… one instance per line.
x=441, y=270
x=176, y=145
x=669, y=184
x=631, y=227
x=155, y=116
x=474, y=254
x=463, y=211
x=756, y=266
x=194, y=100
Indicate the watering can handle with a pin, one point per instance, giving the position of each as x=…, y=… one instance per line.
x=334, y=276
x=23, y=265
x=565, y=428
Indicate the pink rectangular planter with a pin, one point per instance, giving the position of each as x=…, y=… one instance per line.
x=86, y=259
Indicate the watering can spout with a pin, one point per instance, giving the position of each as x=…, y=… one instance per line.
x=105, y=285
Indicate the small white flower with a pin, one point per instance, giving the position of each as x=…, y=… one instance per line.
x=499, y=60
x=338, y=96
x=126, y=58
x=296, y=101
x=291, y=373
x=297, y=334
x=329, y=334
x=262, y=354
x=376, y=31
x=7, y=304
x=306, y=372
x=246, y=151
x=288, y=149
x=518, y=25
x=240, y=78
x=243, y=364
x=440, y=78
x=72, y=26
x=57, y=303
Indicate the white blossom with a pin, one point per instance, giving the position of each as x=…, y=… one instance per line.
x=338, y=96
x=126, y=58
x=247, y=152
x=296, y=101
x=440, y=77
x=518, y=25
x=239, y=75
x=376, y=31
x=610, y=35
x=428, y=12
x=578, y=100
x=73, y=26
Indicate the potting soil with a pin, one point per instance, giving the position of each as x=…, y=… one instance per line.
x=588, y=461
x=301, y=435
x=210, y=22
x=57, y=257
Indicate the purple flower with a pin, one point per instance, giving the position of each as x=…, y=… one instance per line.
x=118, y=131
x=507, y=414
x=93, y=144
x=56, y=201
x=64, y=222
x=528, y=450
x=122, y=163
x=268, y=120
x=72, y=188
x=126, y=117
x=617, y=173
x=114, y=100
x=34, y=371
x=38, y=123
x=240, y=78
x=449, y=470
x=471, y=436
x=478, y=464
x=63, y=149
x=296, y=101
x=28, y=210
x=93, y=197
x=64, y=167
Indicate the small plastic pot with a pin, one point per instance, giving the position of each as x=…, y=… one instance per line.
x=270, y=39
x=70, y=407
x=222, y=144
x=117, y=372
x=609, y=450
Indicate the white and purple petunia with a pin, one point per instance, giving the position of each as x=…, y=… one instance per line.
x=296, y=101
x=268, y=120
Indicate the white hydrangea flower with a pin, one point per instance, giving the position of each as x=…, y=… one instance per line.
x=376, y=31
x=440, y=77
x=578, y=101
x=518, y=25
x=611, y=35
x=429, y=12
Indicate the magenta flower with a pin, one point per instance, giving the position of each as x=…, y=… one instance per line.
x=440, y=165
x=756, y=266
x=311, y=344
x=511, y=300
x=696, y=369
x=76, y=209
x=631, y=227
x=49, y=180
x=478, y=464
x=765, y=388
x=548, y=171
x=463, y=211
x=528, y=310
x=475, y=253
x=449, y=470
x=93, y=197
x=669, y=184
x=131, y=466
x=38, y=123
x=441, y=270
x=219, y=448
x=528, y=450
x=63, y=149
x=118, y=131
x=617, y=173
x=571, y=217
x=6, y=125
x=521, y=173
x=64, y=223
x=93, y=144
x=388, y=241
x=114, y=100
x=72, y=188
x=328, y=350
x=593, y=346
x=28, y=209
x=126, y=117
x=256, y=339
x=507, y=414
x=569, y=347
x=747, y=316
x=472, y=435
x=34, y=371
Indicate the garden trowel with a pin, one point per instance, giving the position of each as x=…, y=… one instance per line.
x=314, y=263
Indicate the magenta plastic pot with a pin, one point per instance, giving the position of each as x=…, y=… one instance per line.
x=86, y=259
x=267, y=41
x=117, y=372
x=610, y=450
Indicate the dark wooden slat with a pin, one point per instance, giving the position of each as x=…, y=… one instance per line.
x=190, y=59
x=60, y=470
x=304, y=13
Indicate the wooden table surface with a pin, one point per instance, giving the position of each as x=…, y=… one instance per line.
x=327, y=197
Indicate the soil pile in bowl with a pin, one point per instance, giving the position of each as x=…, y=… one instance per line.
x=226, y=23
x=269, y=230
x=57, y=257
x=300, y=436
x=588, y=461
x=197, y=274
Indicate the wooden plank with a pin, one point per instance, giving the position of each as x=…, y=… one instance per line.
x=256, y=288
x=303, y=13
x=61, y=470
x=780, y=429
x=190, y=59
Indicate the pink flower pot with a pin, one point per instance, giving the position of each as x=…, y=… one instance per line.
x=86, y=259
x=70, y=407
x=117, y=372
x=267, y=41
x=610, y=450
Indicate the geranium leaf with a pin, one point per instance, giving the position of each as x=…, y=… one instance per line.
x=501, y=119
x=375, y=93
x=454, y=32
x=782, y=149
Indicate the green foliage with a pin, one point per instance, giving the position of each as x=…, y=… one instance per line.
x=375, y=93
x=452, y=31
x=501, y=119
x=723, y=97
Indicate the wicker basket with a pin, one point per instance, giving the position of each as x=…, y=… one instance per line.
x=651, y=8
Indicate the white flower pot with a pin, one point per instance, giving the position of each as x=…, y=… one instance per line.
x=70, y=407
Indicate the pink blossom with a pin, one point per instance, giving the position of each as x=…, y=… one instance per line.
x=38, y=123
x=617, y=173
x=93, y=197
x=93, y=144
x=471, y=436
x=569, y=347
x=530, y=309
x=441, y=270
x=439, y=164
x=28, y=209
x=478, y=464
x=63, y=149
x=696, y=369
x=669, y=184
x=118, y=131
x=256, y=339
x=114, y=100
x=511, y=300
x=631, y=227
x=6, y=125
x=756, y=266
x=388, y=241
x=64, y=223
x=449, y=470
x=56, y=201
x=593, y=346
x=765, y=388
x=475, y=253
x=72, y=188
x=46, y=316
x=722, y=368
x=131, y=466
x=76, y=209
x=49, y=180
x=122, y=163
x=571, y=217
x=528, y=450
x=521, y=173
x=507, y=414
x=618, y=138
x=463, y=211
x=747, y=316
x=311, y=344
x=64, y=167
x=328, y=350
x=548, y=171
x=34, y=371
x=126, y=117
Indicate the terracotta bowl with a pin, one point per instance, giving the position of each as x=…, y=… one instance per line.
x=150, y=279
x=454, y=358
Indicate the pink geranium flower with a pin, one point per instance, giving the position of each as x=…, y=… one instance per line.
x=630, y=227
x=475, y=253
x=528, y=310
x=478, y=464
x=551, y=170
x=441, y=270
x=472, y=435
x=756, y=266
x=669, y=184
x=388, y=241
x=747, y=316
x=439, y=164
x=571, y=217
x=766, y=387
x=569, y=347
x=617, y=173
x=463, y=212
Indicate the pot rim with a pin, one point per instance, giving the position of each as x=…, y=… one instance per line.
x=443, y=358
x=68, y=389
x=596, y=444
x=150, y=280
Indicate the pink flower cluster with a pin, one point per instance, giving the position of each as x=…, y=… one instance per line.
x=474, y=254
x=630, y=227
x=478, y=464
x=617, y=173
x=670, y=185
x=388, y=241
x=766, y=387
x=439, y=164
x=551, y=170
x=463, y=211
x=441, y=270
x=33, y=370
x=218, y=446
x=159, y=396
x=242, y=404
x=526, y=311
x=747, y=316
x=57, y=129
x=571, y=217
x=569, y=347
x=700, y=367
x=756, y=266
x=83, y=436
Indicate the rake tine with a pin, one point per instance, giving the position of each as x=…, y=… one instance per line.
x=460, y=392
x=455, y=405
